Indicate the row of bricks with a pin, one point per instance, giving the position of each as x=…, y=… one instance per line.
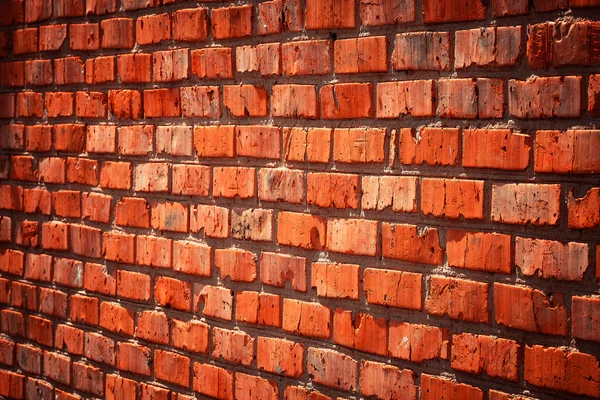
x=538, y=204
x=518, y=203
x=278, y=16
x=550, y=44
x=467, y=98
x=515, y=306
x=475, y=354
x=570, y=152
x=376, y=379
x=479, y=251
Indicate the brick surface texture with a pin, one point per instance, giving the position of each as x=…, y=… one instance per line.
x=300, y=199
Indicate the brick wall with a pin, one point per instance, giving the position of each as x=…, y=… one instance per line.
x=300, y=199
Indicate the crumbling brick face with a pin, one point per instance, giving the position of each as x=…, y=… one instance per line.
x=300, y=199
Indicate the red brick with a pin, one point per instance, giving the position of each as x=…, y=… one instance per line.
x=55, y=236
x=496, y=148
x=39, y=330
x=52, y=170
x=57, y=367
x=11, y=384
x=36, y=387
x=213, y=63
x=523, y=203
x=231, y=22
x=332, y=190
x=115, y=318
x=69, y=70
x=25, y=41
x=13, y=323
x=29, y=358
x=135, y=140
x=117, y=33
x=212, y=220
x=213, y=381
x=558, y=369
x=125, y=104
x=191, y=335
x=258, y=308
x=386, y=381
x=69, y=339
x=352, y=236
x=118, y=247
x=134, y=358
x=192, y=258
x=38, y=267
x=169, y=216
x=436, y=387
x=86, y=241
x=491, y=102
x=172, y=367
x=30, y=104
x=347, y=100
x=84, y=36
x=310, y=57
x=233, y=346
x=586, y=324
x=217, y=301
x=281, y=185
x=120, y=388
x=162, y=103
x=280, y=356
x=171, y=65
x=330, y=14
x=12, y=197
x=173, y=293
x=584, y=212
x=13, y=136
x=52, y=37
x=232, y=182
x=95, y=207
x=83, y=171
x=306, y=319
x=381, y=192
x=100, y=348
x=101, y=138
x=276, y=16
x=98, y=278
x=546, y=97
x=100, y=70
x=174, y=140
x=357, y=145
x=495, y=46
x=503, y=8
x=416, y=343
x=294, y=101
x=136, y=67
x=69, y=137
x=574, y=151
x=151, y=177
x=239, y=265
x=551, y=259
x=23, y=168
x=393, y=288
x=248, y=387
x=453, y=11
x=38, y=72
x=59, y=104
x=457, y=98
x=214, y=141
x=335, y=280
x=421, y=51
x=363, y=332
x=276, y=269
x=252, y=224
x=24, y=296
x=153, y=251
x=263, y=58
x=452, y=198
x=425, y=247
x=415, y=98
x=477, y=354
x=479, y=251
x=84, y=309
x=190, y=25
x=133, y=285
x=153, y=29
x=53, y=302
x=68, y=8
x=385, y=12
x=360, y=55
x=459, y=299
x=115, y=175
x=245, y=100
x=333, y=369
x=11, y=261
x=149, y=392
x=88, y=379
